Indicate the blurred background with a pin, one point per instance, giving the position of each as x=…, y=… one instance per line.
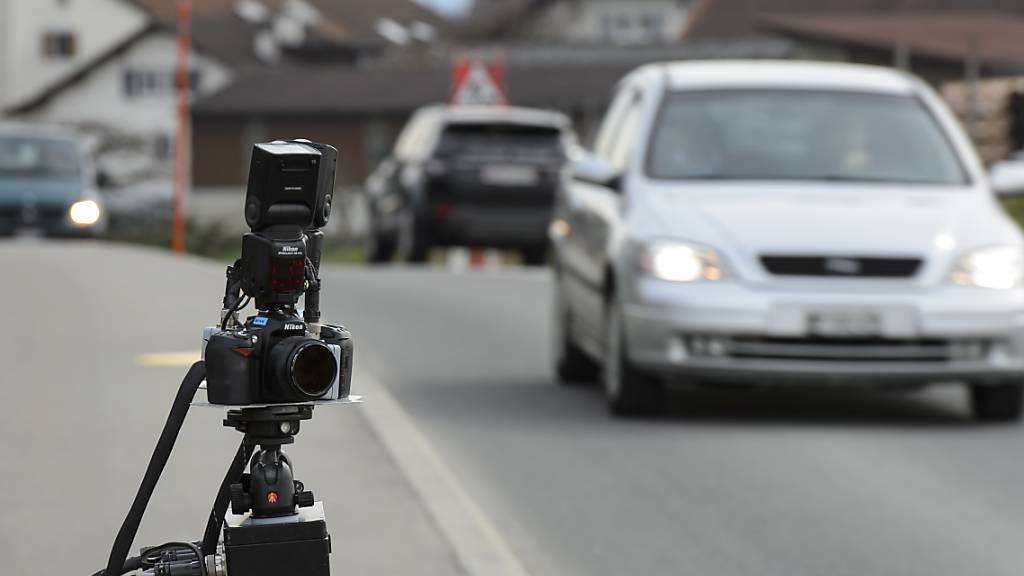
x=128, y=125
x=352, y=73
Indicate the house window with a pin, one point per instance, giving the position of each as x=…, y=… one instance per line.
x=59, y=44
x=633, y=27
x=140, y=83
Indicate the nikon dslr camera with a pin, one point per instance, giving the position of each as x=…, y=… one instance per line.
x=277, y=356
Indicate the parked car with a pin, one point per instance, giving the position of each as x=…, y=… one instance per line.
x=781, y=223
x=468, y=176
x=46, y=183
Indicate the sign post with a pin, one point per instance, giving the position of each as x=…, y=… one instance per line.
x=181, y=137
x=476, y=82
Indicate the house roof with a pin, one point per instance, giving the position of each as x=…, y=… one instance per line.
x=323, y=90
x=354, y=21
x=217, y=31
x=732, y=18
x=952, y=35
x=560, y=77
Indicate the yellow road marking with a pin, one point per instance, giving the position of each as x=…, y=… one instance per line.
x=168, y=359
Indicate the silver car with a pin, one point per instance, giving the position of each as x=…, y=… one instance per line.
x=785, y=223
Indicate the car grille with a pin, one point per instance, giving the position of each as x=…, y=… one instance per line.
x=44, y=216
x=842, y=266
x=866, y=349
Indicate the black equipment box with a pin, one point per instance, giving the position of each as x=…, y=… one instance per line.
x=280, y=549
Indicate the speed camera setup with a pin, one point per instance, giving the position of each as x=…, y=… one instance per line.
x=269, y=370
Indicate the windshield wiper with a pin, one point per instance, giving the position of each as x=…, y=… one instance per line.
x=874, y=179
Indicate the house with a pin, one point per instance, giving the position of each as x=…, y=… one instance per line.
x=940, y=40
x=43, y=42
x=110, y=68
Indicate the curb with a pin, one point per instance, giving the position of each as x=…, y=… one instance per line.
x=478, y=545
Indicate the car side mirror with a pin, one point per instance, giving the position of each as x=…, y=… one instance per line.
x=595, y=170
x=1007, y=178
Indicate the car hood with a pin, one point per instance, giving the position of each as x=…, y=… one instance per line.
x=843, y=220
x=40, y=191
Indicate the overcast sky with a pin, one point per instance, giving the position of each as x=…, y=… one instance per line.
x=451, y=7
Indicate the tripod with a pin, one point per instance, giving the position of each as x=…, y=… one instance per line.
x=275, y=527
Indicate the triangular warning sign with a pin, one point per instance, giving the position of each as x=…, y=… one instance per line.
x=477, y=85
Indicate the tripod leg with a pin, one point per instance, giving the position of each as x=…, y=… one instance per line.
x=220, y=504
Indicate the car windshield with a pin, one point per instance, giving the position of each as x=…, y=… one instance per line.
x=37, y=158
x=800, y=135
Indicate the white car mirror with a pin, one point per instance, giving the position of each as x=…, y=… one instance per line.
x=593, y=169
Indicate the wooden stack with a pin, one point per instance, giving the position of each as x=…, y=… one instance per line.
x=989, y=124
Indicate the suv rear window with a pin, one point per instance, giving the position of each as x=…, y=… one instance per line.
x=479, y=136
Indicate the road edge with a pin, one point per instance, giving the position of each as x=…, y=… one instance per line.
x=476, y=542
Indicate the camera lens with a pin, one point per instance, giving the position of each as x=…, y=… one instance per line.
x=312, y=368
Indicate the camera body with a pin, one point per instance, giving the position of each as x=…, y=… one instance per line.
x=272, y=358
x=276, y=356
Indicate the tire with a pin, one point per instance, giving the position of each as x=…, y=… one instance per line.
x=997, y=402
x=413, y=241
x=572, y=365
x=628, y=390
x=377, y=247
x=534, y=256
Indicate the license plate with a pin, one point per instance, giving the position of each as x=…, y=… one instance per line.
x=29, y=233
x=843, y=323
x=501, y=175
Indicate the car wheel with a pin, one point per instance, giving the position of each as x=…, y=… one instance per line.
x=413, y=243
x=572, y=365
x=629, y=391
x=377, y=247
x=997, y=402
x=534, y=256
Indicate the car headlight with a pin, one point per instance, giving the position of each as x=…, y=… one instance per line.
x=84, y=212
x=681, y=262
x=1000, y=268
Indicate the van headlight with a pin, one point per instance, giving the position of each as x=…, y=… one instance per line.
x=1000, y=268
x=84, y=212
x=681, y=262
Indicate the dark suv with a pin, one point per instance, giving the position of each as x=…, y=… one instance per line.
x=468, y=176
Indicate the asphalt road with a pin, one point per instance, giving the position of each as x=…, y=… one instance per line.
x=759, y=482
x=779, y=483
x=81, y=414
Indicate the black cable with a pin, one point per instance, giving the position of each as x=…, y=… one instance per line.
x=175, y=419
x=161, y=554
x=242, y=303
x=220, y=503
x=149, y=562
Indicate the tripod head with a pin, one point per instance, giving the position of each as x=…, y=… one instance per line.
x=269, y=489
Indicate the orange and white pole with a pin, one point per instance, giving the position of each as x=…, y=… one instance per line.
x=181, y=137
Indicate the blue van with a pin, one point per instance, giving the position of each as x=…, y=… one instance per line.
x=47, y=184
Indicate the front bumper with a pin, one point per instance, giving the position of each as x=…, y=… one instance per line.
x=731, y=332
x=47, y=220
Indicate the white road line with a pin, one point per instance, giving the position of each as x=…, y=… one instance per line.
x=477, y=543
